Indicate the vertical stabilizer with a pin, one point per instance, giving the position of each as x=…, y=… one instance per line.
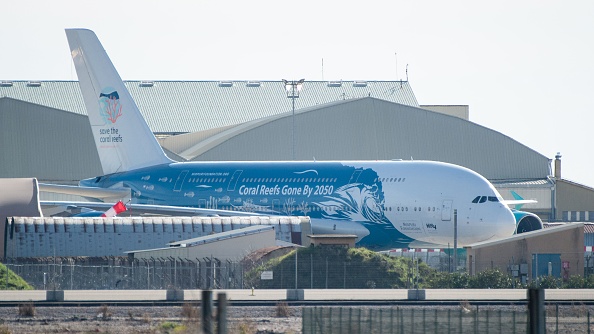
x=124, y=140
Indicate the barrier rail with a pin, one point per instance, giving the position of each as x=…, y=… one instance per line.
x=358, y=295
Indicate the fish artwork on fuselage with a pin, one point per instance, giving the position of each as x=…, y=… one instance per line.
x=336, y=192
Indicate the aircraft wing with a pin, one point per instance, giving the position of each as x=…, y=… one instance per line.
x=67, y=208
x=94, y=192
x=51, y=208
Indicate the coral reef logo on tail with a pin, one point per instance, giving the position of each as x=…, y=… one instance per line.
x=109, y=105
x=110, y=109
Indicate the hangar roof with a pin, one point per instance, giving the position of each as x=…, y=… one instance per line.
x=370, y=129
x=190, y=106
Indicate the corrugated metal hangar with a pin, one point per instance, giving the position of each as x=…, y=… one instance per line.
x=45, y=133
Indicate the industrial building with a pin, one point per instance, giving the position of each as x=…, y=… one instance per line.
x=29, y=237
x=46, y=133
x=554, y=251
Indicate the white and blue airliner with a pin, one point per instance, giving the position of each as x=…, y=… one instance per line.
x=387, y=204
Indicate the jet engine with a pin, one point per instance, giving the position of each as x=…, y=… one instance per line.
x=527, y=221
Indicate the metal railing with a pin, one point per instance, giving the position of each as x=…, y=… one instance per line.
x=462, y=319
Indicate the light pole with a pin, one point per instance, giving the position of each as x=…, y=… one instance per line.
x=293, y=88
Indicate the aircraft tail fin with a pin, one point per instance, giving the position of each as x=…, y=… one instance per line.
x=124, y=140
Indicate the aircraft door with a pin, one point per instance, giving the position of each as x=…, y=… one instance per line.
x=446, y=210
x=233, y=180
x=180, y=180
x=355, y=176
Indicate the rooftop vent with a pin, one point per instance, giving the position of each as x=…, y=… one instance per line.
x=5, y=83
x=253, y=84
x=335, y=83
x=147, y=84
x=360, y=83
x=225, y=83
x=34, y=84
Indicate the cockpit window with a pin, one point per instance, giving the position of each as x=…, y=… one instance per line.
x=483, y=199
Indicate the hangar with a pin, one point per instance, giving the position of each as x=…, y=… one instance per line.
x=46, y=134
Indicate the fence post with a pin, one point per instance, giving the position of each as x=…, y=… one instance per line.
x=557, y=319
x=207, y=311
x=536, y=314
x=350, y=319
x=311, y=270
x=340, y=320
x=412, y=321
x=460, y=320
x=326, y=273
x=222, y=313
x=344, y=276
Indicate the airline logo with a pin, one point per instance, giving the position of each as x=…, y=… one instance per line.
x=110, y=106
x=110, y=109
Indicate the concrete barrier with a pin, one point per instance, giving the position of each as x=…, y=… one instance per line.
x=293, y=295
x=54, y=295
x=416, y=294
x=175, y=295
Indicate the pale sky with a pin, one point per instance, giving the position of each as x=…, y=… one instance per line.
x=525, y=68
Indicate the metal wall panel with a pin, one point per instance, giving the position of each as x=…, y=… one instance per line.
x=45, y=143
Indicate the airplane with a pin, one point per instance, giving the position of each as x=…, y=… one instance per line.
x=386, y=204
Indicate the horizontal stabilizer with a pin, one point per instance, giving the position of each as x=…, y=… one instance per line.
x=519, y=201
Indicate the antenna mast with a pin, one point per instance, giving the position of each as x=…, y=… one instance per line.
x=406, y=72
x=396, y=56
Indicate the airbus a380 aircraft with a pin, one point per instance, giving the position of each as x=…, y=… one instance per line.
x=387, y=204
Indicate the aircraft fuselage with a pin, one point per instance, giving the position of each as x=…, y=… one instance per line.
x=388, y=204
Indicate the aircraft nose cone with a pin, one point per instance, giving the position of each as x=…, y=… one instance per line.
x=505, y=223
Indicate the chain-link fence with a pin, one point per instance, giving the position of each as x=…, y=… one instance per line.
x=123, y=273
x=303, y=271
x=306, y=270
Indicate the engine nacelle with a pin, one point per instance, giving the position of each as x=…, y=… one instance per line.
x=526, y=222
